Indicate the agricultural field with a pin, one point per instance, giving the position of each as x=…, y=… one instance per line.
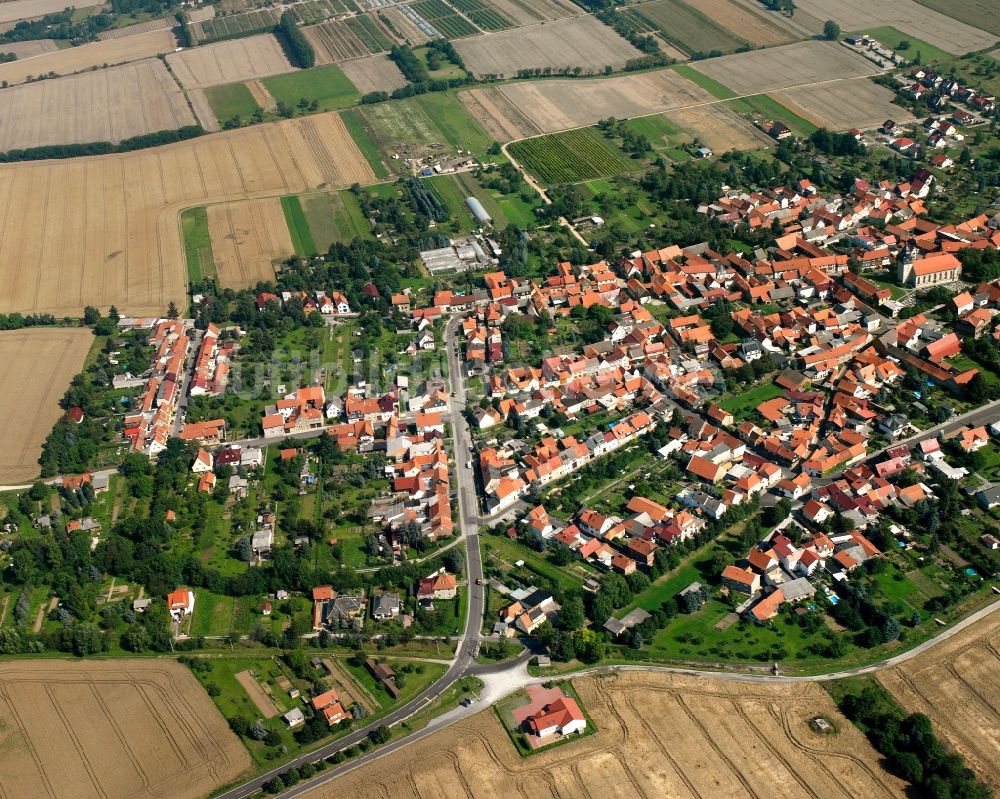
x=197, y=243
x=210, y=30
x=327, y=85
x=957, y=683
x=111, y=222
x=228, y=62
x=685, y=27
x=531, y=12
x=402, y=28
x=86, y=56
x=760, y=30
x=666, y=137
x=798, y=64
x=977, y=13
x=570, y=157
x=657, y=735
x=104, y=105
x=370, y=33
x=333, y=217
x=526, y=109
x=760, y=108
x=483, y=14
x=334, y=41
x=844, y=105
x=449, y=24
x=247, y=237
x=36, y=366
x=157, y=24
x=719, y=128
x=317, y=10
x=30, y=48
x=558, y=45
x=231, y=100
x=916, y=19
x=13, y=10
x=126, y=729
x=375, y=73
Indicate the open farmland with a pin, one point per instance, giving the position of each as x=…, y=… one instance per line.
x=760, y=30
x=227, y=62
x=558, y=45
x=844, y=104
x=657, y=736
x=957, y=684
x=719, y=128
x=13, y=10
x=530, y=12
x=776, y=68
x=36, y=366
x=484, y=15
x=977, y=13
x=104, y=105
x=30, y=48
x=126, y=729
x=908, y=16
x=526, y=109
x=159, y=24
x=375, y=73
x=685, y=27
x=402, y=27
x=247, y=237
x=448, y=22
x=86, y=56
x=211, y=30
x=334, y=41
x=105, y=230
x=570, y=157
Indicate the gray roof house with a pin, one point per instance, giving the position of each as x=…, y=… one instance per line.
x=385, y=606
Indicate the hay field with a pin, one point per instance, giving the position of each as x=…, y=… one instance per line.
x=844, y=104
x=957, y=684
x=106, y=729
x=782, y=67
x=719, y=128
x=103, y=230
x=908, y=16
x=530, y=12
x=247, y=237
x=77, y=59
x=228, y=62
x=761, y=30
x=36, y=366
x=377, y=73
x=525, y=109
x=582, y=42
x=658, y=736
x=13, y=10
x=103, y=105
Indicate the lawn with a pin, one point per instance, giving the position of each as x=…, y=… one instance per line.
x=502, y=552
x=230, y=100
x=742, y=404
x=197, y=244
x=213, y=614
x=764, y=107
x=711, y=86
x=327, y=85
x=298, y=228
x=891, y=37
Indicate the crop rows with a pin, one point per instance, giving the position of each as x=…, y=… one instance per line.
x=636, y=22
x=444, y=18
x=569, y=157
x=236, y=25
x=487, y=18
x=370, y=34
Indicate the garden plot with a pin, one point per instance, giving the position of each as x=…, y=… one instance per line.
x=334, y=41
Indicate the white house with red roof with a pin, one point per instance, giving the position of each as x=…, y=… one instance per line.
x=561, y=717
x=180, y=603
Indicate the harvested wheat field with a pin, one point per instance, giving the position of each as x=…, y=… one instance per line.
x=105, y=230
x=658, y=736
x=12, y=10
x=525, y=109
x=111, y=729
x=103, y=105
x=719, y=128
x=582, y=42
x=163, y=23
x=798, y=64
x=907, y=16
x=377, y=73
x=844, y=104
x=36, y=366
x=97, y=54
x=30, y=48
x=228, y=62
x=957, y=684
x=761, y=30
x=247, y=237
x=531, y=12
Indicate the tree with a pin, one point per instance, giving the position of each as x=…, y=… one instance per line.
x=91, y=315
x=831, y=30
x=380, y=734
x=571, y=615
x=977, y=390
x=172, y=310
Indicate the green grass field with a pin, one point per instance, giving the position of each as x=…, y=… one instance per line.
x=298, y=228
x=327, y=85
x=743, y=404
x=663, y=134
x=763, y=106
x=197, y=244
x=458, y=128
x=571, y=157
x=711, y=86
x=891, y=37
x=334, y=217
x=687, y=28
x=230, y=100
x=356, y=126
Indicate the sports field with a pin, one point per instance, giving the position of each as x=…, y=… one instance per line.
x=105, y=230
x=104, y=729
x=227, y=62
x=36, y=366
x=103, y=105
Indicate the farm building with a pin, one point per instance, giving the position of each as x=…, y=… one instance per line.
x=476, y=207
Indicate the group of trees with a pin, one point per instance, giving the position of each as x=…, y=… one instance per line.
x=142, y=142
x=300, y=52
